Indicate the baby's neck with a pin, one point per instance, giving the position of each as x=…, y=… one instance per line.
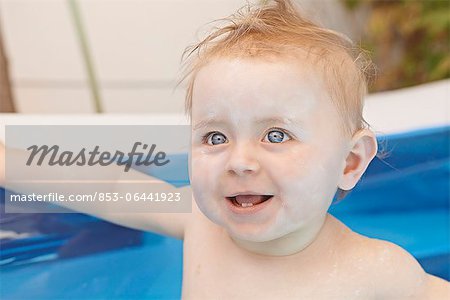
x=289, y=244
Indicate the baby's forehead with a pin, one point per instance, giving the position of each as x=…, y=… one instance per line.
x=277, y=71
x=272, y=71
x=258, y=83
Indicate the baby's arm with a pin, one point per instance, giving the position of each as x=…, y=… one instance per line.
x=171, y=224
x=400, y=276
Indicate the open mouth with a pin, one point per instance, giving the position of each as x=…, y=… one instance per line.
x=248, y=200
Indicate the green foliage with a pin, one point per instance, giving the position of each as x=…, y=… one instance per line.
x=351, y=4
x=409, y=40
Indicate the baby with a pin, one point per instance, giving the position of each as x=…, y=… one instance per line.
x=277, y=129
x=276, y=105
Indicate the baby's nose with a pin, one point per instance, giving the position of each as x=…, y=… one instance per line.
x=242, y=159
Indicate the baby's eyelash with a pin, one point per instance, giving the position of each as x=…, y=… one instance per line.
x=276, y=128
x=207, y=135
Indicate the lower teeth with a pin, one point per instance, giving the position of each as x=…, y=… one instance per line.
x=246, y=204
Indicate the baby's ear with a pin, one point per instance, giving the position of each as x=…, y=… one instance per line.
x=363, y=148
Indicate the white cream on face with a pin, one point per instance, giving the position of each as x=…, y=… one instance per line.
x=244, y=100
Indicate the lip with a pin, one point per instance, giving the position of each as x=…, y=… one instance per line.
x=248, y=210
x=247, y=193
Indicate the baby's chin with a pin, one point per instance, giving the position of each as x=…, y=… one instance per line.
x=244, y=232
x=264, y=231
x=254, y=232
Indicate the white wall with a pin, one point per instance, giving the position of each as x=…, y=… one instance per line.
x=136, y=47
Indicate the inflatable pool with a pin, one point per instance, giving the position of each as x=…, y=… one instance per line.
x=403, y=198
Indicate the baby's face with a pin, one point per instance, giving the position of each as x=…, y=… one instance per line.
x=267, y=153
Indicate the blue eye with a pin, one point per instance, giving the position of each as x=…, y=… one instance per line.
x=215, y=138
x=276, y=136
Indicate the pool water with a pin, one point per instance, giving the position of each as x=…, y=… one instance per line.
x=403, y=199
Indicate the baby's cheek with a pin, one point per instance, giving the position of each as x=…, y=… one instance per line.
x=307, y=187
x=288, y=165
x=200, y=181
x=205, y=180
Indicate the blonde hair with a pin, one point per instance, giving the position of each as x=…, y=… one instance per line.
x=276, y=29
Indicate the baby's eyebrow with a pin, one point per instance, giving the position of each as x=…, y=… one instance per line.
x=271, y=120
x=206, y=122
x=281, y=120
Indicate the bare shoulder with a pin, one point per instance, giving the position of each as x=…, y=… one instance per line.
x=398, y=275
x=437, y=288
